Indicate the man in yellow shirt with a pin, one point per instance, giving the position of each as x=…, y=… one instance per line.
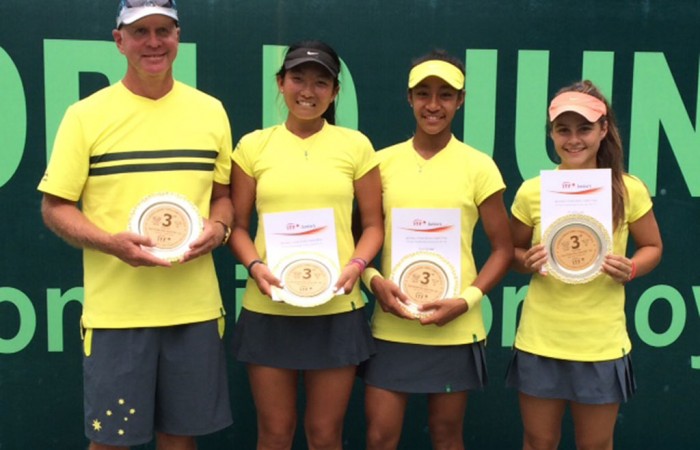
x=153, y=356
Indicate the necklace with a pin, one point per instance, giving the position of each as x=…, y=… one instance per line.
x=308, y=143
x=420, y=161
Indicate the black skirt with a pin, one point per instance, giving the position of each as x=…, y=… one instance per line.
x=303, y=342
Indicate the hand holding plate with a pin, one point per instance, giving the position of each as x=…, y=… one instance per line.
x=129, y=247
x=618, y=267
x=264, y=279
x=347, y=279
x=443, y=311
x=205, y=243
x=535, y=258
x=390, y=298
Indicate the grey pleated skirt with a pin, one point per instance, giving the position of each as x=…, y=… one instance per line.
x=583, y=382
x=426, y=369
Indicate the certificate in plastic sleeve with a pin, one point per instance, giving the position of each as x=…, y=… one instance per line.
x=308, y=279
x=425, y=277
x=170, y=220
x=576, y=247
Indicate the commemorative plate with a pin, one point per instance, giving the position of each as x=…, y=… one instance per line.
x=425, y=277
x=170, y=220
x=308, y=279
x=576, y=247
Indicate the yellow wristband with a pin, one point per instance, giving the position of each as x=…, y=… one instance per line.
x=472, y=296
x=367, y=276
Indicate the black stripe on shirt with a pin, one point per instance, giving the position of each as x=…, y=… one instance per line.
x=136, y=168
x=154, y=154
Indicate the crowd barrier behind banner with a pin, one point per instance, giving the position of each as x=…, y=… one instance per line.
x=644, y=55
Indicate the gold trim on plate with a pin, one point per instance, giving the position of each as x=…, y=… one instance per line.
x=425, y=277
x=576, y=247
x=170, y=220
x=308, y=279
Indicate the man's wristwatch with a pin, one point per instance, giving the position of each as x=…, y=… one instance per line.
x=227, y=232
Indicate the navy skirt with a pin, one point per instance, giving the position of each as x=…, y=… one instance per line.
x=595, y=383
x=303, y=342
x=426, y=369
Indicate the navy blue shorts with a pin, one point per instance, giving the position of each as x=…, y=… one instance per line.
x=167, y=379
x=594, y=383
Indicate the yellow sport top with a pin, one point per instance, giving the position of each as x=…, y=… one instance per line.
x=113, y=149
x=459, y=176
x=577, y=322
x=294, y=174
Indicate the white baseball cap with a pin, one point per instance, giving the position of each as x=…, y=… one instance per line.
x=132, y=10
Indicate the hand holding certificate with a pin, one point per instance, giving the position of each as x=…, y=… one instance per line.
x=576, y=222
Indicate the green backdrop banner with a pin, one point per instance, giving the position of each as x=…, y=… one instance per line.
x=643, y=54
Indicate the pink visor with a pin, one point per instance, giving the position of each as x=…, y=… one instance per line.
x=586, y=105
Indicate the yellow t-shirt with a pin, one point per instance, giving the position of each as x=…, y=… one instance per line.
x=578, y=322
x=294, y=174
x=113, y=149
x=457, y=177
